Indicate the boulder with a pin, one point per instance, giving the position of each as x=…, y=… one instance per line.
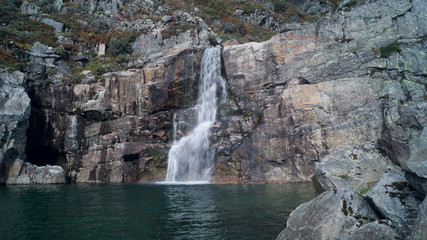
x=167, y=18
x=394, y=200
x=58, y=26
x=336, y=214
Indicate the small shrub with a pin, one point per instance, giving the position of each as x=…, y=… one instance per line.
x=174, y=30
x=6, y=58
x=71, y=48
x=121, y=58
x=118, y=45
x=225, y=37
x=351, y=3
x=281, y=5
x=46, y=5
x=387, y=51
x=95, y=67
x=74, y=77
x=333, y=3
x=229, y=27
x=22, y=30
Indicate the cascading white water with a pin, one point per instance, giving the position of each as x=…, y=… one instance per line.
x=191, y=159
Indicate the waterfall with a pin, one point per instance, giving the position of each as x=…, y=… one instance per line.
x=191, y=159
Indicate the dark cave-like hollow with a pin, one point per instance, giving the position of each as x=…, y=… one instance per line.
x=42, y=155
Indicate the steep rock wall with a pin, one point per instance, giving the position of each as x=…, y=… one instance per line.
x=327, y=87
x=118, y=128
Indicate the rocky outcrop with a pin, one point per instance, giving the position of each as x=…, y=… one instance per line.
x=318, y=92
x=14, y=113
x=395, y=200
x=25, y=173
x=340, y=214
x=353, y=169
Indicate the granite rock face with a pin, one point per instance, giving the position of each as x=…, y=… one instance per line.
x=317, y=90
x=14, y=113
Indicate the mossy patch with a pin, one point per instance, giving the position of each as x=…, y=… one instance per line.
x=105, y=128
x=158, y=158
x=399, y=185
x=388, y=50
x=365, y=190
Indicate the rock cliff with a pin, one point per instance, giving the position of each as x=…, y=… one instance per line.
x=339, y=100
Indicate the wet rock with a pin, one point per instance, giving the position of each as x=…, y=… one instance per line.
x=332, y=215
x=394, y=200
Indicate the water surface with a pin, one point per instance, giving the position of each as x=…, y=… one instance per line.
x=148, y=211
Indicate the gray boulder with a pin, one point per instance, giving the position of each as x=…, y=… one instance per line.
x=40, y=53
x=334, y=214
x=167, y=18
x=395, y=201
x=59, y=26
